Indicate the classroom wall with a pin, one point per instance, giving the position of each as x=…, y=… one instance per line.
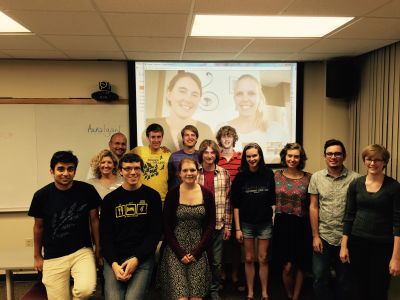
x=323, y=118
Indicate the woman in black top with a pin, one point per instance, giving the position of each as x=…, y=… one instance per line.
x=371, y=230
x=252, y=195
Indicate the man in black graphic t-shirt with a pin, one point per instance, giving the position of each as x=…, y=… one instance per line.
x=130, y=226
x=66, y=218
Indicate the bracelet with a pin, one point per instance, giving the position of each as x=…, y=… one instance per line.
x=238, y=230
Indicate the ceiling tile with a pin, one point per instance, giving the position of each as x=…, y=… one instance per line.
x=215, y=45
x=93, y=43
x=371, y=28
x=152, y=56
x=161, y=25
x=77, y=23
x=100, y=55
x=48, y=5
x=240, y=7
x=332, y=8
x=264, y=56
x=142, y=44
x=208, y=56
x=312, y=56
x=355, y=47
x=390, y=10
x=147, y=6
x=28, y=42
x=36, y=54
x=279, y=45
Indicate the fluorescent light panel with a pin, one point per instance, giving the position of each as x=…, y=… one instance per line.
x=8, y=25
x=265, y=26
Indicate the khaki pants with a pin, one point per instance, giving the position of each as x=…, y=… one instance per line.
x=57, y=271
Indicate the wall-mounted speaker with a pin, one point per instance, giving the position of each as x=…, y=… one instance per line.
x=342, y=78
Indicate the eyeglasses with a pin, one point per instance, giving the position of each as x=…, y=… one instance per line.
x=334, y=154
x=370, y=160
x=129, y=169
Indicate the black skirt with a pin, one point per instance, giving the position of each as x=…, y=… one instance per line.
x=292, y=241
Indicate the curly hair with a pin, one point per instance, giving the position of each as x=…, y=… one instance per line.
x=293, y=146
x=227, y=131
x=95, y=163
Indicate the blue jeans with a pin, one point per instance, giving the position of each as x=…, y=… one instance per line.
x=216, y=266
x=134, y=289
x=321, y=265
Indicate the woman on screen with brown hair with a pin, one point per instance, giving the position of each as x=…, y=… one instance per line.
x=252, y=122
x=183, y=96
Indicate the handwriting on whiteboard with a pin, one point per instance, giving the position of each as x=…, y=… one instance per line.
x=103, y=129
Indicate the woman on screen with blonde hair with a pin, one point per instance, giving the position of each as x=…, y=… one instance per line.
x=183, y=96
x=104, y=167
x=252, y=123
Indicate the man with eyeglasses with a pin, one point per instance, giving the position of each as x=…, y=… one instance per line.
x=130, y=229
x=328, y=189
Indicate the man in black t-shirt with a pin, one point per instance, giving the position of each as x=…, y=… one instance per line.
x=66, y=222
x=130, y=226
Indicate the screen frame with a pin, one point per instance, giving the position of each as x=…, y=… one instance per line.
x=133, y=137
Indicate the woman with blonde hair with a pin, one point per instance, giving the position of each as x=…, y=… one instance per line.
x=252, y=120
x=104, y=167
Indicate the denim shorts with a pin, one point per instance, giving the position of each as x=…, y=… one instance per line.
x=262, y=231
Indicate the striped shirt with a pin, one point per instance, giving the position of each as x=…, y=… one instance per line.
x=222, y=186
x=232, y=165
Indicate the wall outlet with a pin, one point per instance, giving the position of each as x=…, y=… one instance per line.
x=28, y=242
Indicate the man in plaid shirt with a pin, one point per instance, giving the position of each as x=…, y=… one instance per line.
x=217, y=180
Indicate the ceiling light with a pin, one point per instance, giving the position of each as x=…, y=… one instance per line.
x=265, y=26
x=9, y=25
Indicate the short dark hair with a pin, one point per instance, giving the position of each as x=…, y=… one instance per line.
x=154, y=127
x=293, y=146
x=244, y=165
x=63, y=157
x=229, y=131
x=203, y=146
x=191, y=128
x=333, y=142
x=130, y=158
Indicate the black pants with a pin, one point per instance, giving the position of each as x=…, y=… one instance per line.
x=369, y=262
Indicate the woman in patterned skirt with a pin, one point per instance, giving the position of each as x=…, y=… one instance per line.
x=189, y=221
x=292, y=231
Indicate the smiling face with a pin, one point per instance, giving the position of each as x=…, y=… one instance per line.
x=209, y=156
x=131, y=172
x=227, y=141
x=106, y=166
x=63, y=175
x=184, y=97
x=334, y=157
x=252, y=158
x=292, y=158
x=118, y=145
x=189, y=139
x=188, y=172
x=247, y=97
x=374, y=164
x=155, y=139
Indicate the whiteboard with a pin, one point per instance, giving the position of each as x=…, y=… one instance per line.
x=31, y=133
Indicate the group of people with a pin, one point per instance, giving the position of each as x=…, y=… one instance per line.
x=252, y=123
x=201, y=203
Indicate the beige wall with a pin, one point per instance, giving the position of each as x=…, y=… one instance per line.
x=323, y=118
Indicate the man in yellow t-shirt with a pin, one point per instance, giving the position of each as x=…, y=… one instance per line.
x=155, y=158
